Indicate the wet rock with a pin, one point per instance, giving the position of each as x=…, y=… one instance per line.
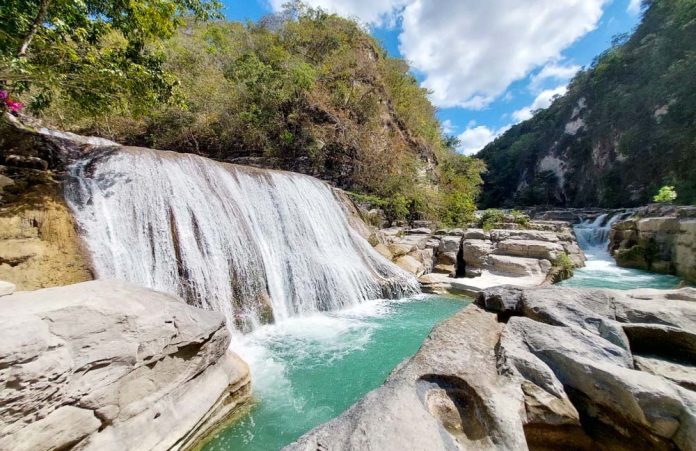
x=411, y=265
x=542, y=368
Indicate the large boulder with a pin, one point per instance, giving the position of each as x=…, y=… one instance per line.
x=542, y=368
x=541, y=250
x=107, y=366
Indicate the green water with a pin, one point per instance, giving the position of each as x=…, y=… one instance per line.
x=306, y=371
x=601, y=271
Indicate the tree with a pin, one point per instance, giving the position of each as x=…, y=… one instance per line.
x=667, y=194
x=92, y=53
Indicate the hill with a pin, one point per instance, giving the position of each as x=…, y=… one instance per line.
x=626, y=126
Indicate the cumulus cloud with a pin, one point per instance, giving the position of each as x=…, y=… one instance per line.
x=448, y=127
x=552, y=72
x=475, y=137
x=373, y=12
x=634, y=7
x=470, y=51
x=543, y=100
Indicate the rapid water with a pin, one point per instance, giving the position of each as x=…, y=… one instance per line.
x=309, y=370
x=251, y=244
x=600, y=269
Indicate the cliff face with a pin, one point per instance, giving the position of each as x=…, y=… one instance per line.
x=626, y=126
x=658, y=241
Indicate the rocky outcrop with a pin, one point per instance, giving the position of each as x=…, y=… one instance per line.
x=544, y=368
x=39, y=244
x=104, y=365
x=657, y=239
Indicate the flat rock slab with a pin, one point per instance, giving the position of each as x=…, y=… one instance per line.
x=107, y=366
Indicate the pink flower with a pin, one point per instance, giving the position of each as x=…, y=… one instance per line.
x=3, y=95
x=14, y=106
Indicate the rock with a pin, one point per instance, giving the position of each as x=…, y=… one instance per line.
x=436, y=400
x=399, y=249
x=39, y=244
x=419, y=231
x=531, y=235
x=530, y=249
x=384, y=251
x=411, y=265
x=6, y=288
x=516, y=266
x=474, y=252
x=450, y=244
x=541, y=368
x=664, y=244
x=104, y=365
x=476, y=234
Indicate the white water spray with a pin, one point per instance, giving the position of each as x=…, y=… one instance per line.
x=246, y=242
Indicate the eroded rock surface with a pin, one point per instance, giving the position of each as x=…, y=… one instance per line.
x=107, y=366
x=657, y=239
x=542, y=368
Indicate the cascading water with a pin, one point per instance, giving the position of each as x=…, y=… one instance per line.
x=600, y=269
x=248, y=243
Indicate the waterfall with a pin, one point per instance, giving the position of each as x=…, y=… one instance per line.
x=595, y=233
x=255, y=245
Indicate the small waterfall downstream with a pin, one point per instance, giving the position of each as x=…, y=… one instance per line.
x=595, y=233
x=600, y=269
x=253, y=244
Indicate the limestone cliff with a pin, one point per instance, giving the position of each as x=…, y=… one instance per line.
x=39, y=244
x=657, y=239
x=624, y=129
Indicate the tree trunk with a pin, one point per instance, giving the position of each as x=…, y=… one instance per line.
x=43, y=7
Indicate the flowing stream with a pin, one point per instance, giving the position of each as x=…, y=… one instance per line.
x=600, y=269
x=257, y=246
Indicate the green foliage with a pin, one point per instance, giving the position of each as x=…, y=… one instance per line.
x=491, y=218
x=519, y=217
x=565, y=267
x=307, y=91
x=91, y=55
x=636, y=102
x=666, y=194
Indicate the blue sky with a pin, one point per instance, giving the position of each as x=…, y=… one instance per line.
x=488, y=64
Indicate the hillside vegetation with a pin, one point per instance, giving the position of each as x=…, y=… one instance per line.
x=305, y=91
x=626, y=126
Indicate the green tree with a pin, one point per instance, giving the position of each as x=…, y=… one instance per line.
x=666, y=194
x=91, y=53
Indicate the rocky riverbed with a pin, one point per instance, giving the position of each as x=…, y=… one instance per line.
x=544, y=368
x=471, y=259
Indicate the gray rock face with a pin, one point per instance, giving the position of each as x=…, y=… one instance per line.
x=665, y=244
x=103, y=365
x=543, y=368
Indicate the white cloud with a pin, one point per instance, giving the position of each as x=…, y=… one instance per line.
x=475, y=138
x=470, y=50
x=543, y=100
x=554, y=72
x=448, y=127
x=634, y=7
x=374, y=12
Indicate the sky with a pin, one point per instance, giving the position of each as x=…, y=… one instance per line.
x=487, y=64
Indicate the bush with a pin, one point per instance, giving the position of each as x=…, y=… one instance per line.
x=520, y=217
x=491, y=218
x=564, y=266
x=667, y=194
